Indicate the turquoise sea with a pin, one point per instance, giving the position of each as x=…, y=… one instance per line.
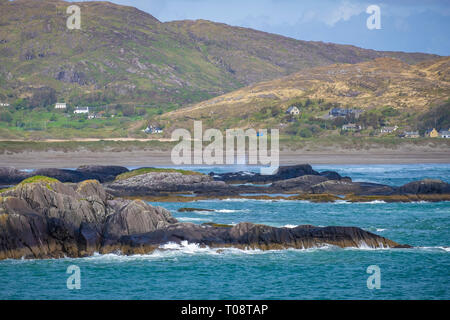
x=188, y=271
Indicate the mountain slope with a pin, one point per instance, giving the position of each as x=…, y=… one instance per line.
x=120, y=54
x=124, y=55
x=254, y=56
x=371, y=85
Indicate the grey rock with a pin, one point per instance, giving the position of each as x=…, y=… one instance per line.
x=157, y=182
x=425, y=186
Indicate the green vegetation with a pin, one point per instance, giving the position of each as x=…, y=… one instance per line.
x=391, y=96
x=141, y=171
x=41, y=123
x=37, y=179
x=437, y=117
x=6, y=189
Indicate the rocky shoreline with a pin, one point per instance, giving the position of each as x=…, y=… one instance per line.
x=298, y=181
x=76, y=213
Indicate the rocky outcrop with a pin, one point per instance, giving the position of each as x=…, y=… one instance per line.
x=343, y=187
x=301, y=184
x=42, y=219
x=283, y=173
x=253, y=236
x=297, y=180
x=49, y=219
x=426, y=186
x=102, y=173
x=155, y=183
x=12, y=176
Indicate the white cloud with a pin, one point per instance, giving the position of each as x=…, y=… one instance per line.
x=344, y=12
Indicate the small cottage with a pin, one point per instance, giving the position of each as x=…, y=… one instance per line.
x=293, y=110
x=60, y=105
x=410, y=134
x=432, y=133
x=388, y=129
x=81, y=110
x=444, y=134
x=351, y=127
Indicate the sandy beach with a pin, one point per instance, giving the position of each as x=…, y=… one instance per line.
x=138, y=158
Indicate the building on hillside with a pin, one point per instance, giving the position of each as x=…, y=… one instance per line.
x=432, y=133
x=445, y=134
x=153, y=129
x=293, y=110
x=100, y=115
x=410, y=134
x=81, y=110
x=388, y=129
x=351, y=127
x=60, y=105
x=338, y=112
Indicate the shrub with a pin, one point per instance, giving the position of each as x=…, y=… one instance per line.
x=6, y=116
x=305, y=133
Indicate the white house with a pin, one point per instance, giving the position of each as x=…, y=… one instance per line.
x=81, y=110
x=410, y=134
x=293, y=110
x=444, y=134
x=388, y=129
x=60, y=105
x=3, y=104
x=351, y=127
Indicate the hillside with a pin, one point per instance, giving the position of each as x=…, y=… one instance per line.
x=400, y=92
x=253, y=56
x=123, y=55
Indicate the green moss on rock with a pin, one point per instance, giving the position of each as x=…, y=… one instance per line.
x=141, y=171
x=40, y=179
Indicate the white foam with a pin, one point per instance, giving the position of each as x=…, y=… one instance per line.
x=342, y=202
x=368, y=202
x=435, y=248
x=191, y=219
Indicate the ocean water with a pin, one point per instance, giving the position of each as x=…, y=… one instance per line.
x=188, y=271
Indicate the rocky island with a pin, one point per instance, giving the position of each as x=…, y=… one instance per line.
x=76, y=213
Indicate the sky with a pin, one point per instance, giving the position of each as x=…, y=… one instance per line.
x=405, y=25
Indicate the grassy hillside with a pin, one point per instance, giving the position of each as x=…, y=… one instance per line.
x=120, y=54
x=128, y=67
x=253, y=56
x=123, y=55
x=389, y=91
